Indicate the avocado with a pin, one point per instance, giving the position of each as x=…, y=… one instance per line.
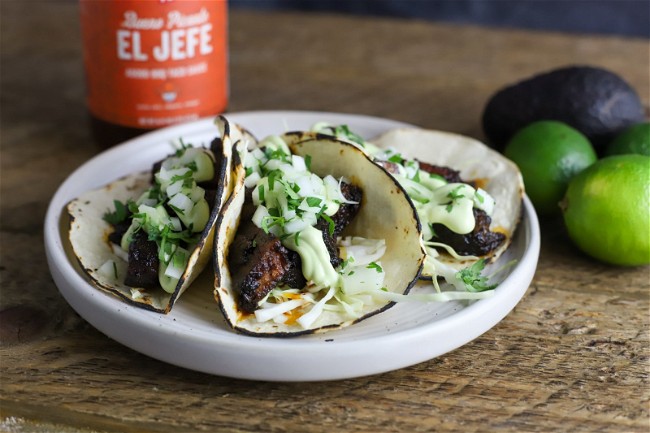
x=596, y=102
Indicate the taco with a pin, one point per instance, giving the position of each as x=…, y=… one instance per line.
x=314, y=237
x=147, y=236
x=468, y=196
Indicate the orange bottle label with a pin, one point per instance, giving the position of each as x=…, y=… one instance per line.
x=152, y=63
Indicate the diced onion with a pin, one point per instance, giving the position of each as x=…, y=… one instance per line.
x=175, y=224
x=182, y=203
x=174, y=188
x=177, y=264
x=306, y=186
x=298, y=163
x=166, y=175
x=296, y=225
x=260, y=213
x=197, y=194
x=252, y=180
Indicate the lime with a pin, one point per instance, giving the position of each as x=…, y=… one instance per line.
x=607, y=210
x=549, y=153
x=635, y=139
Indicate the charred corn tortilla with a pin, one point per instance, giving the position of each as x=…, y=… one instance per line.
x=385, y=212
x=88, y=233
x=497, y=175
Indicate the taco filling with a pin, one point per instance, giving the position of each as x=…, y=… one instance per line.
x=290, y=238
x=147, y=236
x=456, y=214
x=157, y=231
x=298, y=261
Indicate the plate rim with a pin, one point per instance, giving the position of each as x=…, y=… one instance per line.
x=73, y=287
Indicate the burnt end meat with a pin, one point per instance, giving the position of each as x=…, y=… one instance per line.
x=293, y=277
x=330, y=242
x=345, y=214
x=119, y=229
x=347, y=211
x=259, y=261
x=449, y=174
x=478, y=242
x=259, y=268
x=143, y=262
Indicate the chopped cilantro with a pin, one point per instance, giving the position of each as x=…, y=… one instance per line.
x=120, y=214
x=472, y=278
x=397, y=158
x=272, y=220
x=454, y=194
x=345, y=132
x=313, y=201
x=375, y=266
x=183, y=147
x=330, y=222
x=272, y=176
x=176, y=209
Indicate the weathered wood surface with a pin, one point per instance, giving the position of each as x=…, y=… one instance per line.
x=572, y=356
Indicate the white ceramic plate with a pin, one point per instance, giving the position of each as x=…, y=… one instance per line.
x=195, y=336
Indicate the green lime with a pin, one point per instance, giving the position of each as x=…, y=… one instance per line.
x=635, y=139
x=607, y=210
x=549, y=153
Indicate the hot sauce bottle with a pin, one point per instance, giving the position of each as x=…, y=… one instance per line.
x=152, y=63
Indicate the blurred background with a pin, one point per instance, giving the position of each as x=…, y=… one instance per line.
x=613, y=17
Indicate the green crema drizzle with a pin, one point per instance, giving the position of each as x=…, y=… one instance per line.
x=290, y=200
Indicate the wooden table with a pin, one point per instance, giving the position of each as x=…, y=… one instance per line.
x=572, y=356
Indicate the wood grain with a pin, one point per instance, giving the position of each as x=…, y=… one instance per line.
x=572, y=356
